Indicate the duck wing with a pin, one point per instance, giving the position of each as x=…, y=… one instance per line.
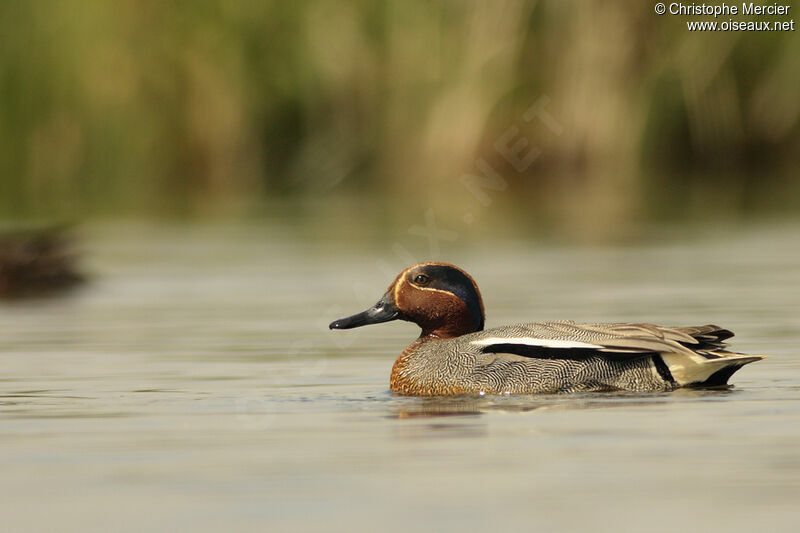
x=570, y=339
x=692, y=354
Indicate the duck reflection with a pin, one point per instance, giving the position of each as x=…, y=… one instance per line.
x=452, y=406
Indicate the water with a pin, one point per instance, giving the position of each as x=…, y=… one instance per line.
x=193, y=385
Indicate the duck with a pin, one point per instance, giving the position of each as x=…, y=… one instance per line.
x=455, y=355
x=37, y=261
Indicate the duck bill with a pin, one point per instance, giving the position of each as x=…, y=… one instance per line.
x=383, y=311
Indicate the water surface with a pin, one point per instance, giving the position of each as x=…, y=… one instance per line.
x=193, y=385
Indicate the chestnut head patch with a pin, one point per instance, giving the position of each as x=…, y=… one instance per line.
x=448, y=278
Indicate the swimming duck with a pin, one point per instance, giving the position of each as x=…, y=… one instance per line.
x=455, y=355
x=37, y=262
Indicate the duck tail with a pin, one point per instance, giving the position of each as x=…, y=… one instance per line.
x=706, y=368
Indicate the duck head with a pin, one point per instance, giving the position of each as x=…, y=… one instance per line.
x=440, y=298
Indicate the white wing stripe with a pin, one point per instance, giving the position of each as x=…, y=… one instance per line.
x=530, y=341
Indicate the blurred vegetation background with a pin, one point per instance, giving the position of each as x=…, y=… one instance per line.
x=587, y=118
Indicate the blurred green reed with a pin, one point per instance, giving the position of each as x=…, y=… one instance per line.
x=377, y=109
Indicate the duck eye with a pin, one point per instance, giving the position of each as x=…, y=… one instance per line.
x=421, y=279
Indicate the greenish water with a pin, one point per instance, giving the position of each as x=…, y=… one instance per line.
x=193, y=385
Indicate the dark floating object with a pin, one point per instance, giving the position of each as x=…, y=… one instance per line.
x=37, y=262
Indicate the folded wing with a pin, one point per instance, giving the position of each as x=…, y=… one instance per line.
x=693, y=355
